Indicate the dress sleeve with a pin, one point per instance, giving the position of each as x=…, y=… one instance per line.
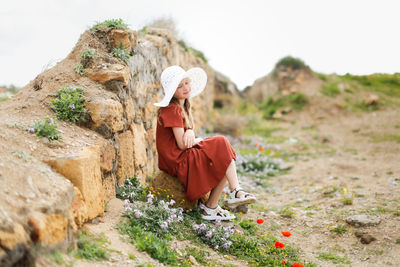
x=171, y=116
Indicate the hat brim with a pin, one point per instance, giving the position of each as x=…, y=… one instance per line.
x=198, y=81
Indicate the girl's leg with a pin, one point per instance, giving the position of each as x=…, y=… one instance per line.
x=232, y=178
x=215, y=194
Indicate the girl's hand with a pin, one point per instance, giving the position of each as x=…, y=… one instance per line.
x=188, y=138
x=198, y=139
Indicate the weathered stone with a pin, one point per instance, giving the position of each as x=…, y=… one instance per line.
x=107, y=157
x=83, y=170
x=79, y=208
x=372, y=100
x=109, y=187
x=106, y=111
x=129, y=110
x=10, y=240
x=166, y=184
x=364, y=237
x=121, y=37
x=193, y=260
x=50, y=229
x=107, y=72
x=125, y=157
x=139, y=149
x=363, y=220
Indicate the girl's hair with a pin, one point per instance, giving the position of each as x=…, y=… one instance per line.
x=186, y=112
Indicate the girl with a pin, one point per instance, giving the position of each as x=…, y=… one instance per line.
x=201, y=165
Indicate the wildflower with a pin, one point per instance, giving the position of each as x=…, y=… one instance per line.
x=209, y=235
x=260, y=221
x=150, y=200
x=296, y=190
x=150, y=195
x=283, y=262
x=180, y=218
x=196, y=227
x=164, y=225
x=72, y=106
x=172, y=202
x=297, y=265
x=126, y=202
x=261, y=148
x=287, y=234
x=51, y=121
x=216, y=247
x=202, y=228
x=279, y=245
x=217, y=222
x=138, y=214
x=31, y=130
x=344, y=191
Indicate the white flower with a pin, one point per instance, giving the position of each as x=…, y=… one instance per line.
x=164, y=225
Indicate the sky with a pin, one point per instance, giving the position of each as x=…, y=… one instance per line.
x=241, y=39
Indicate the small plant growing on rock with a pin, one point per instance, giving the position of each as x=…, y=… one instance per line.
x=46, y=128
x=79, y=69
x=289, y=61
x=69, y=104
x=110, y=24
x=87, y=55
x=121, y=53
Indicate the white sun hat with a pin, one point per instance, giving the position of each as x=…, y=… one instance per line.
x=173, y=75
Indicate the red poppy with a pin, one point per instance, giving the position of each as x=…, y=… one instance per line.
x=260, y=221
x=283, y=262
x=297, y=265
x=279, y=244
x=286, y=234
x=261, y=148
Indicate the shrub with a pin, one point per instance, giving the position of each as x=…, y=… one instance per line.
x=110, y=24
x=46, y=128
x=87, y=55
x=286, y=212
x=258, y=165
x=91, y=247
x=330, y=89
x=69, y=104
x=289, y=61
x=121, y=53
x=79, y=69
x=297, y=101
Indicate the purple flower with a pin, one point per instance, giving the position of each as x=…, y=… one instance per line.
x=164, y=225
x=150, y=195
x=202, y=228
x=138, y=214
x=217, y=222
x=209, y=235
x=196, y=227
x=172, y=202
x=216, y=247
x=150, y=200
x=72, y=106
x=31, y=130
x=126, y=202
x=180, y=218
x=227, y=235
x=51, y=121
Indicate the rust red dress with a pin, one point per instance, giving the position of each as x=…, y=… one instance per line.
x=199, y=168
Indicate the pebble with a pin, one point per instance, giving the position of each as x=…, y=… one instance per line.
x=363, y=220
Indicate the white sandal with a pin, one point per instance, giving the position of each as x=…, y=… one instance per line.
x=245, y=198
x=217, y=213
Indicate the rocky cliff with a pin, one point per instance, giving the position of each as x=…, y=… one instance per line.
x=50, y=188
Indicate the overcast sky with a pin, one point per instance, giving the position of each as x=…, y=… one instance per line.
x=242, y=39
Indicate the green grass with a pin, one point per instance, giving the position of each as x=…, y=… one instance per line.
x=387, y=138
x=55, y=256
x=340, y=229
x=4, y=98
x=333, y=258
x=347, y=201
x=286, y=212
x=79, y=69
x=330, y=89
x=296, y=101
x=192, y=50
x=110, y=24
x=292, y=62
x=388, y=84
x=199, y=254
x=91, y=247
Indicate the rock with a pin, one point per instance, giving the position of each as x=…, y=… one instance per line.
x=193, y=260
x=50, y=229
x=14, y=246
x=109, y=183
x=372, y=100
x=241, y=208
x=79, y=209
x=107, y=157
x=363, y=220
x=168, y=185
x=129, y=111
x=83, y=171
x=108, y=72
x=125, y=157
x=139, y=150
x=105, y=111
x=125, y=37
x=364, y=237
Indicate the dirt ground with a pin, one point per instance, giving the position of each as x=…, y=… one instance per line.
x=339, y=157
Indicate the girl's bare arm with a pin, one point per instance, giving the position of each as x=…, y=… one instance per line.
x=184, y=139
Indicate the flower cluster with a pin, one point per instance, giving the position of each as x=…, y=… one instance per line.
x=46, y=128
x=156, y=216
x=216, y=237
x=69, y=104
x=132, y=190
x=121, y=53
x=258, y=165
